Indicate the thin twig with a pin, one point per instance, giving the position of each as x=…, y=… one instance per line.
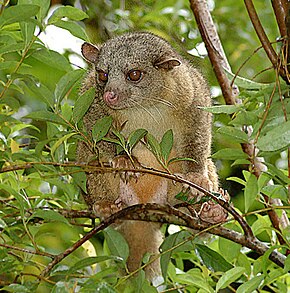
x=27, y=250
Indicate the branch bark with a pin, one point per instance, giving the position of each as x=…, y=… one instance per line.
x=280, y=8
x=169, y=215
x=214, y=48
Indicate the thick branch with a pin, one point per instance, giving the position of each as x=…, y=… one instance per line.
x=214, y=48
x=261, y=33
x=169, y=215
x=280, y=13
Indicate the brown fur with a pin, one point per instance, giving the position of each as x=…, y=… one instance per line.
x=168, y=97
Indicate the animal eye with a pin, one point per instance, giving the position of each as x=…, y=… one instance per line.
x=102, y=76
x=134, y=75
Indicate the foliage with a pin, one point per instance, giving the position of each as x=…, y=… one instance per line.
x=40, y=127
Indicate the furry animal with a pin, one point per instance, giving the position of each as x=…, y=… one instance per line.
x=142, y=82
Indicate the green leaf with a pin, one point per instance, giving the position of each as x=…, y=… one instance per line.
x=246, y=83
x=276, y=191
x=49, y=215
x=101, y=128
x=276, y=139
x=41, y=92
x=166, y=144
x=244, y=261
x=229, y=277
x=229, y=154
x=233, y=133
x=67, y=11
x=120, y=136
x=27, y=30
x=61, y=141
x=18, y=13
x=90, y=261
x=1, y=164
x=173, y=160
x=4, y=49
x=153, y=144
x=213, y=260
x=194, y=280
x=135, y=137
x=113, y=140
x=7, y=118
x=260, y=225
x=103, y=288
x=66, y=111
x=43, y=4
x=46, y=116
x=15, y=288
x=66, y=83
x=170, y=242
x=232, y=253
x=74, y=28
x=287, y=264
x=9, y=66
x=277, y=173
x=244, y=118
x=226, y=109
x=251, y=191
x=53, y=59
x=82, y=104
x=2, y=224
x=80, y=179
x=24, y=203
x=251, y=285
x=240, y=162
x=263, y=180
x=117, y=243
x=238, y=180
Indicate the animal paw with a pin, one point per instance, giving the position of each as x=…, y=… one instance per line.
x=212, y=212
x=123, y=161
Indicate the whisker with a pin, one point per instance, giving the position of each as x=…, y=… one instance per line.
x=158, y=111
x=164, y=102
x=140, y=106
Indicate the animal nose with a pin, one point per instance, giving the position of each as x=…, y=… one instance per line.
x=110, y=98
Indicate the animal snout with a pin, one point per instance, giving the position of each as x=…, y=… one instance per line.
x=111, y=98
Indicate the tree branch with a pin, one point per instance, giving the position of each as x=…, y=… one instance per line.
x=107, y=169
x=214, y=48
x=280, y=8
x=272, y=55
x=169, y=215
x=27, y=250
x=261, y=33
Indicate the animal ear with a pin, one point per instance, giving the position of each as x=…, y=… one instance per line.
x=90, y=52
x=167, y=63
